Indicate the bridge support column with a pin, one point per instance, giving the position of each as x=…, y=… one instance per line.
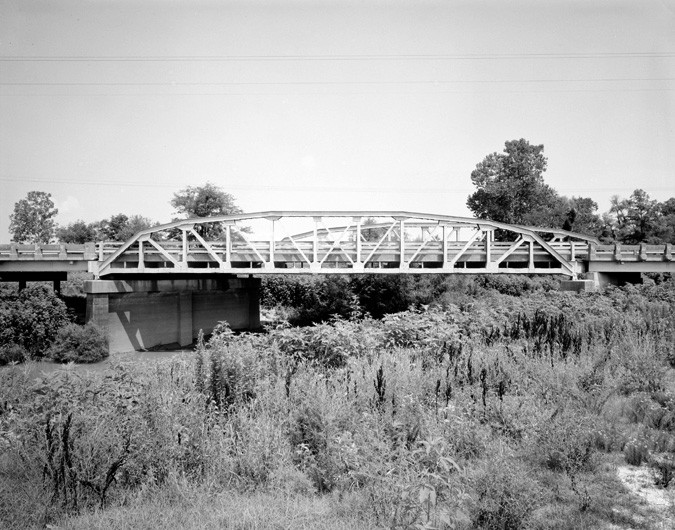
x=142, y=314
x=97, y=310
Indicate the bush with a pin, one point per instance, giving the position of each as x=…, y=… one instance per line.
x=636, y=453
x=505, y=494
x=79, y=344
x=664, y=466
x=12, y=353
x=31, y=318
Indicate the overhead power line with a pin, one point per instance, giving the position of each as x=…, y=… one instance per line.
x=346, y=57
x=346, y=83
x=253, y=187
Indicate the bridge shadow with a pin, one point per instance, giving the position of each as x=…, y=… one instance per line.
x=130, y=329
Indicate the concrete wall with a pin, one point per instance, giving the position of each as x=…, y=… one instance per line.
x=141, y=314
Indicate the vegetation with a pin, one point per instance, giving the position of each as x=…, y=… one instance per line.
x=510, y=188
x=79, y=344
x=119, y=227
x=483, y=411
x=33, y=218
x=205, y=201
x=31, y=318
x=309, y=299
x=640, y=219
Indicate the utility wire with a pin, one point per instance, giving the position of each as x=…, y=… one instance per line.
x=347, y=83
x=347, y=57
x=253, y=187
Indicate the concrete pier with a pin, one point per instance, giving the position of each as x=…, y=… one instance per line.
x=141, y=314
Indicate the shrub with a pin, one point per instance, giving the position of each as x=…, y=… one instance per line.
x=664, y=466
x=31, y=318
x=566, y=442
x=505, y=494
x=79, y=344
x=636, y=453
x=314, y=299
x=12, y=353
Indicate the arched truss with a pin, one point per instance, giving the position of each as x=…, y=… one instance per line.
x=341, y=242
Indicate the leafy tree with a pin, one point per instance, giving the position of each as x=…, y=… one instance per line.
x=31, y=318
x=668, y=213
x=33, y=218
x=120, y=227
x=205, y=201
x=581, y=217
x=511, y=189
x=372, y=234
x=638, y=218
x=77, y=232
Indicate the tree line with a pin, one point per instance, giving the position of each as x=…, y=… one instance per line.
x=510, y=188
x=33, y=219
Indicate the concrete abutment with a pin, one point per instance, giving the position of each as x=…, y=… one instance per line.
x=140, y=314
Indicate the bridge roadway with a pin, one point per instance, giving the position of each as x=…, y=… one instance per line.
x=360, y=242
x=168, y=282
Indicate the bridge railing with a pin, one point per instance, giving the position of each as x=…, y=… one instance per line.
x=49, y=252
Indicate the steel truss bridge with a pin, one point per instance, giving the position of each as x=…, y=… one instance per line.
x=345, y=242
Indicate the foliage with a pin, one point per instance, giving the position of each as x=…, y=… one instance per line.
x=79, y=344
x=205, y=201
x=483, y=414
x=31, y=318
x=32, y=220
x=505, y=493
x=581, y=217
x=12, y=353
x=77, y=232
x=510, y=188
x=121, y=227
x=640, y=219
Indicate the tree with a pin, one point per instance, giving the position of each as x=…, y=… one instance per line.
x=511, y=189
x=33, y=218
x=668, y=213
x=77, y=232
x=120, y=227
x=641, y=219
x=581, y=217
x=637, y=218
x=372, y=234
x=205, y=201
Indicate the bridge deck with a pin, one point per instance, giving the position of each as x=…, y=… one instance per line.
x=372, y=242
x=298, y=257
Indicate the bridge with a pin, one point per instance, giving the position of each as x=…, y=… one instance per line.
x=169, y=281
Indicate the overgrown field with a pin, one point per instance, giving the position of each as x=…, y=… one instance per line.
x=489, y=411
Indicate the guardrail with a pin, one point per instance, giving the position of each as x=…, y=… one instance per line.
x=54, y=252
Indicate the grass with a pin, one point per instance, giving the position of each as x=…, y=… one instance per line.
x=506, y=413
x=196, y=508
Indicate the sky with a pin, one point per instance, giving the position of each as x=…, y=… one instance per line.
x=114, y=106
